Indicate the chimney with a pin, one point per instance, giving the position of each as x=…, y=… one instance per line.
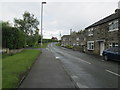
x=118, y=10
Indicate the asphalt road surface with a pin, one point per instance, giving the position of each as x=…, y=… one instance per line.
x=87, y=71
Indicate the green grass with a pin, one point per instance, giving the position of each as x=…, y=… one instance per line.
x=58, y=44
x=15, y=66
x=43, y=46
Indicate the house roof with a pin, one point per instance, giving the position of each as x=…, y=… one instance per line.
x=111, y=17
x=65, y=36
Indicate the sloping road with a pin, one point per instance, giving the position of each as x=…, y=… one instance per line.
x=87, y=71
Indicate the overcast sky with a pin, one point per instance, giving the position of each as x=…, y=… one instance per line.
x=60, y=17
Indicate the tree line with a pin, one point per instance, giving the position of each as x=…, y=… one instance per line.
x=24, y=33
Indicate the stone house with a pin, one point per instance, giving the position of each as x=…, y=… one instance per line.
x=66, y=40
x=77, y=40
x=98, y=36
x=103, y=34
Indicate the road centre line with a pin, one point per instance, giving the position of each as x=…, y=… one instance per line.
x=112, y=72
x=73, y=56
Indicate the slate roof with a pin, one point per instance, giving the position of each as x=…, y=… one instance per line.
x=111, y=17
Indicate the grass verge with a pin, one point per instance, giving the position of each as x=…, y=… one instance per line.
x=43, y=46
x=58, y=44
x=13, y=67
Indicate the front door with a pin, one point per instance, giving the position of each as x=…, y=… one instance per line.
x=101, y=48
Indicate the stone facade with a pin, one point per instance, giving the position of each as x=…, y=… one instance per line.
x=103, y=34
x=98, y=36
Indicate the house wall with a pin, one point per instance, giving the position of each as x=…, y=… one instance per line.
x=101, y=33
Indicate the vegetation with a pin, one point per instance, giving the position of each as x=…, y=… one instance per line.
x=58, y=44
x=68, y=46
x=12, y=37
x=24, y=33
x=15, y=66
x=44, y=45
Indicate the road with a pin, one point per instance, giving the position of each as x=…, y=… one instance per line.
x=87, y=71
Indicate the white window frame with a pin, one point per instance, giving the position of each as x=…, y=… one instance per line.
x=90, y=32
x=113, y=25
x=77, y=38
x=111, y=44
x=90, y=45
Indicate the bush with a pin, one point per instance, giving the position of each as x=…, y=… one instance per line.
x=77, y=48
x=12, y=37
x=68, y=46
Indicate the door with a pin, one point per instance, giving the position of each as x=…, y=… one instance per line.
x=101, y=48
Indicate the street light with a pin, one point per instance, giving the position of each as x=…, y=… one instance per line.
x=42, y=20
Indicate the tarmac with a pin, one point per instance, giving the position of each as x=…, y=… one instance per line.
x=47, y=72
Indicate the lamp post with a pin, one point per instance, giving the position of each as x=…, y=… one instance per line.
x=42, y=21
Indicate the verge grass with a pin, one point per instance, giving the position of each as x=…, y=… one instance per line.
x=14, y=67
x=44, y=45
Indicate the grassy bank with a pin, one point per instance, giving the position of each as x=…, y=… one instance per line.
x=15, y=66
x=44, y=45
x=58, y=44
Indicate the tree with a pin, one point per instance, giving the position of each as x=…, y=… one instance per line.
x=29, y=24
x=12, y=37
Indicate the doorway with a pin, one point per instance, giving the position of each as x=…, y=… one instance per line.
x=102, y=47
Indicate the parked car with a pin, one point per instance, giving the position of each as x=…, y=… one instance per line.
x=112, y=54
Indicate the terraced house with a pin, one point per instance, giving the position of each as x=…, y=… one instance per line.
x=98, y=36
x=103, y=34
x=65, y=40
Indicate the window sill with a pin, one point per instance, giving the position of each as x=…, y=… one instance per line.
x=90, y=49
x=90, y=35
x=113, y=30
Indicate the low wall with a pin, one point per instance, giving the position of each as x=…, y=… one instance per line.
x=11, y=51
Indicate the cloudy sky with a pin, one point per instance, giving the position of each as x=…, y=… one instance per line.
x=60, y=16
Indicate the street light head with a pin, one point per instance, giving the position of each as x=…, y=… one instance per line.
x=43, y=2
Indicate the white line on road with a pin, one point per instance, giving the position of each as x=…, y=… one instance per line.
x=73, y=77
x=112, y=72
x=81, y=85
x=72, y=56
x=57, y=57
x=82, y=60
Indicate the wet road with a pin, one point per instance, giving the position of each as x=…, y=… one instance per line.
x=87, y=71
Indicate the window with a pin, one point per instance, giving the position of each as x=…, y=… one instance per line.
x=77, y=39
x=90, y=32
x=77, y=43
x=113, y=25
x=113, y=44
x=90, y=45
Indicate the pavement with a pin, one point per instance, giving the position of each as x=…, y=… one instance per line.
x=47, y=72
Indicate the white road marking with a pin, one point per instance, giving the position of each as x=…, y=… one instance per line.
x=83, y=60
x=112, y=72
x=57, y=57
x=74, y=76
x=73, y=56
x=81, y=86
